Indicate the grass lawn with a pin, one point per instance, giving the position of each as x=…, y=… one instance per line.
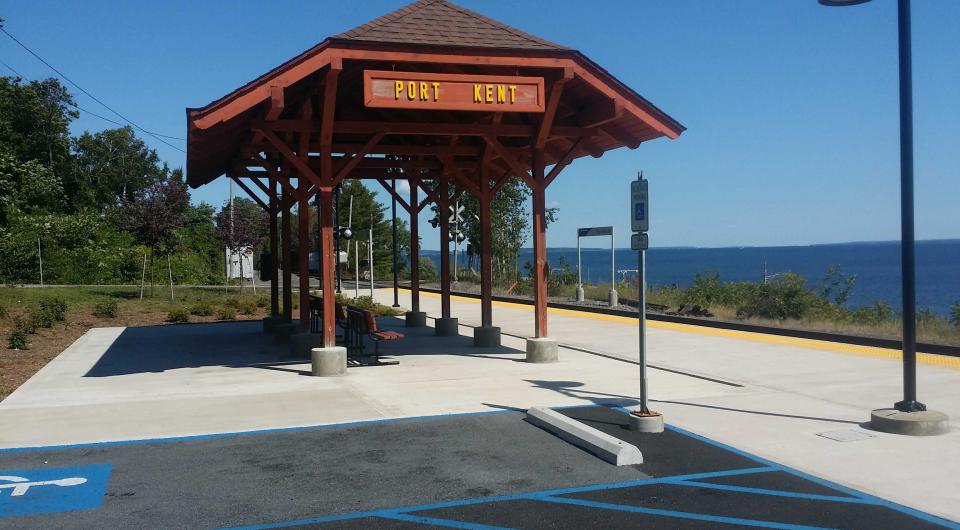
x=90, y=307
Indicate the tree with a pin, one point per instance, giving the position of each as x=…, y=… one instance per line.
x=367, y=213
x=110, y=167
x=27, y=187
x=35, y=121
x=155, y=215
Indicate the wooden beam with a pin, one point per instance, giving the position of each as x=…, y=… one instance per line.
x=563, y=162
x=393, y=192
x=419, y=128
x=621, y=135
x=600, y=113
x=511, y=160
x=251, y=194
x=303, y=169
x=351, y=163
x=553, y=100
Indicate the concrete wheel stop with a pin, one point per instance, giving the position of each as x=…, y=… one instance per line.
x=301, y=344
x=647, y=422
x=542, y=350
x=446, y=327
x=596, y=442
x=920, y=423
x=415, y=319
x=328, y=362
x=486, y=337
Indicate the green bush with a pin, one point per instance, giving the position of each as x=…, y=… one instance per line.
x=178, y=315
x=40, y=319
x=54, y=308
x=785, y=297
x=263, y=301
x=3, y=312
x=428, y=271
x=201, y=309
x=233, y=302
x=105, y=309
x=17, y=339
x=227, y=313
x=955, y=314
x=248, y=306
x=27, y=325
x=877, y=313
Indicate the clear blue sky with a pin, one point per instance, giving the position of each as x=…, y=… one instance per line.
x=791, y=107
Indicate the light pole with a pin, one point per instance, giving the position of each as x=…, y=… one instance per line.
x=907, y=416
x=393, y=188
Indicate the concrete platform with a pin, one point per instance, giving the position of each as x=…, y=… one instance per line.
x=769, y=396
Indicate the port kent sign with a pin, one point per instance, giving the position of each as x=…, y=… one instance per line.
x=430, y=91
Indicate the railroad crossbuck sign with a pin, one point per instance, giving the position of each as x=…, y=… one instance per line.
x=425, y=91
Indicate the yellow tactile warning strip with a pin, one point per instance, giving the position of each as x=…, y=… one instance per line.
x=838, y=347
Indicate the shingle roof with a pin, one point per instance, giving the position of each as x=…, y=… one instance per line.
x=442, y=23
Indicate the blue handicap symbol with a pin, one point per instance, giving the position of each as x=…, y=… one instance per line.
x=49, y=490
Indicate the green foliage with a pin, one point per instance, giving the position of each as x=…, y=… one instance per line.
x=877, y=313
x=560, y=277
x=784, y=297
x=25, y=324
x=201, y=308
x=105, y=309
x=110, y=167
x=34, y=121
x=226, y=313
x=54, y=308
x=507, y=232
x=39, y=319
x=17, y=339
x=263, y=301
x=367, y=213
x=232, y=302
x=428, y=271
x=247, y=306
x=955, y=313
x=837, y=286
x=178, y=315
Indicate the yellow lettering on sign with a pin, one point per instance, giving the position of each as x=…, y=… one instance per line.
x=398, y=89
x=489, y=91
x=412, y=90
x=477, y=98
x=513, y=93
x=423, y=91
x=436, y=91
x=501, y=94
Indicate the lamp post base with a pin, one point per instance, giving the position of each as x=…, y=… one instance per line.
x=920, y=423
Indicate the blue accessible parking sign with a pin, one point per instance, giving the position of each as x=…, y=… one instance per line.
x=49, y=490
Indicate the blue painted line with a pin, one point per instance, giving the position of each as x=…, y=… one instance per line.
x=45, y=490
x=775, y=493
x=675, y=514
x=237, y=434
x=656, y=480
x=442, y=522
x=823, y=482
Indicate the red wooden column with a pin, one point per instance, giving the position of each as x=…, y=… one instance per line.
x=539, y=246
x=444, y=214
x=303, y=218
x=285, y=228
x=327, y=266
x=414, y=248
x=486, y=262
x=274, y=273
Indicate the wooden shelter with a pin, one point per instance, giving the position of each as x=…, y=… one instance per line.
x=432, y=93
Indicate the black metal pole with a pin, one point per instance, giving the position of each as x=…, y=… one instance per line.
x=396, y=295
x=907, y=259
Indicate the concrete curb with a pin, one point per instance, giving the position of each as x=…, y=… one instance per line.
x=601, y=444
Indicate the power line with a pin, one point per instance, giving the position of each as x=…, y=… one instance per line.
x=81, y=109
x=91, y=96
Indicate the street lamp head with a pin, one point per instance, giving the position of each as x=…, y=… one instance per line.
x=347, y=233
x=841, y=3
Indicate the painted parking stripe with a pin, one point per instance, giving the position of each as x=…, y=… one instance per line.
x=775, y=493
x=674, y=514
x=441, y=522
x=50, y=490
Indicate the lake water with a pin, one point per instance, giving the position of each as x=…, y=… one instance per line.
x=876, y=266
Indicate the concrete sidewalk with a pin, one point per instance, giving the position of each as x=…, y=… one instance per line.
x=771, y=398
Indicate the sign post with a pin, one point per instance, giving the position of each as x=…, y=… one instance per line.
x=643, y=419
x=598, y=231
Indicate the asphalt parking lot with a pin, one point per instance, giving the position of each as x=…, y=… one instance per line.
x=487, y=470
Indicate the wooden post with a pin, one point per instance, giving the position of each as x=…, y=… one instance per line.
x=274, y=273
x=539, y=246
x=303, y=218
x=486, y=260
x=414, y=248
x=443, y=200
x=327, y=266
x=287, y=260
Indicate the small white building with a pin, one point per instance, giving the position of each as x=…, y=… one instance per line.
x=234, y=260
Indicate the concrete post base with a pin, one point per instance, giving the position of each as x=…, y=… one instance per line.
x=329, y=361
x=579, y=293
x=283, y=330
x=613, y=298
x=650, y=423
x=416, y=319
x=302, y=343
x=486, y=337
x=542, y=350
x=271, y=321
x=446, y=327
x=925, y=423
